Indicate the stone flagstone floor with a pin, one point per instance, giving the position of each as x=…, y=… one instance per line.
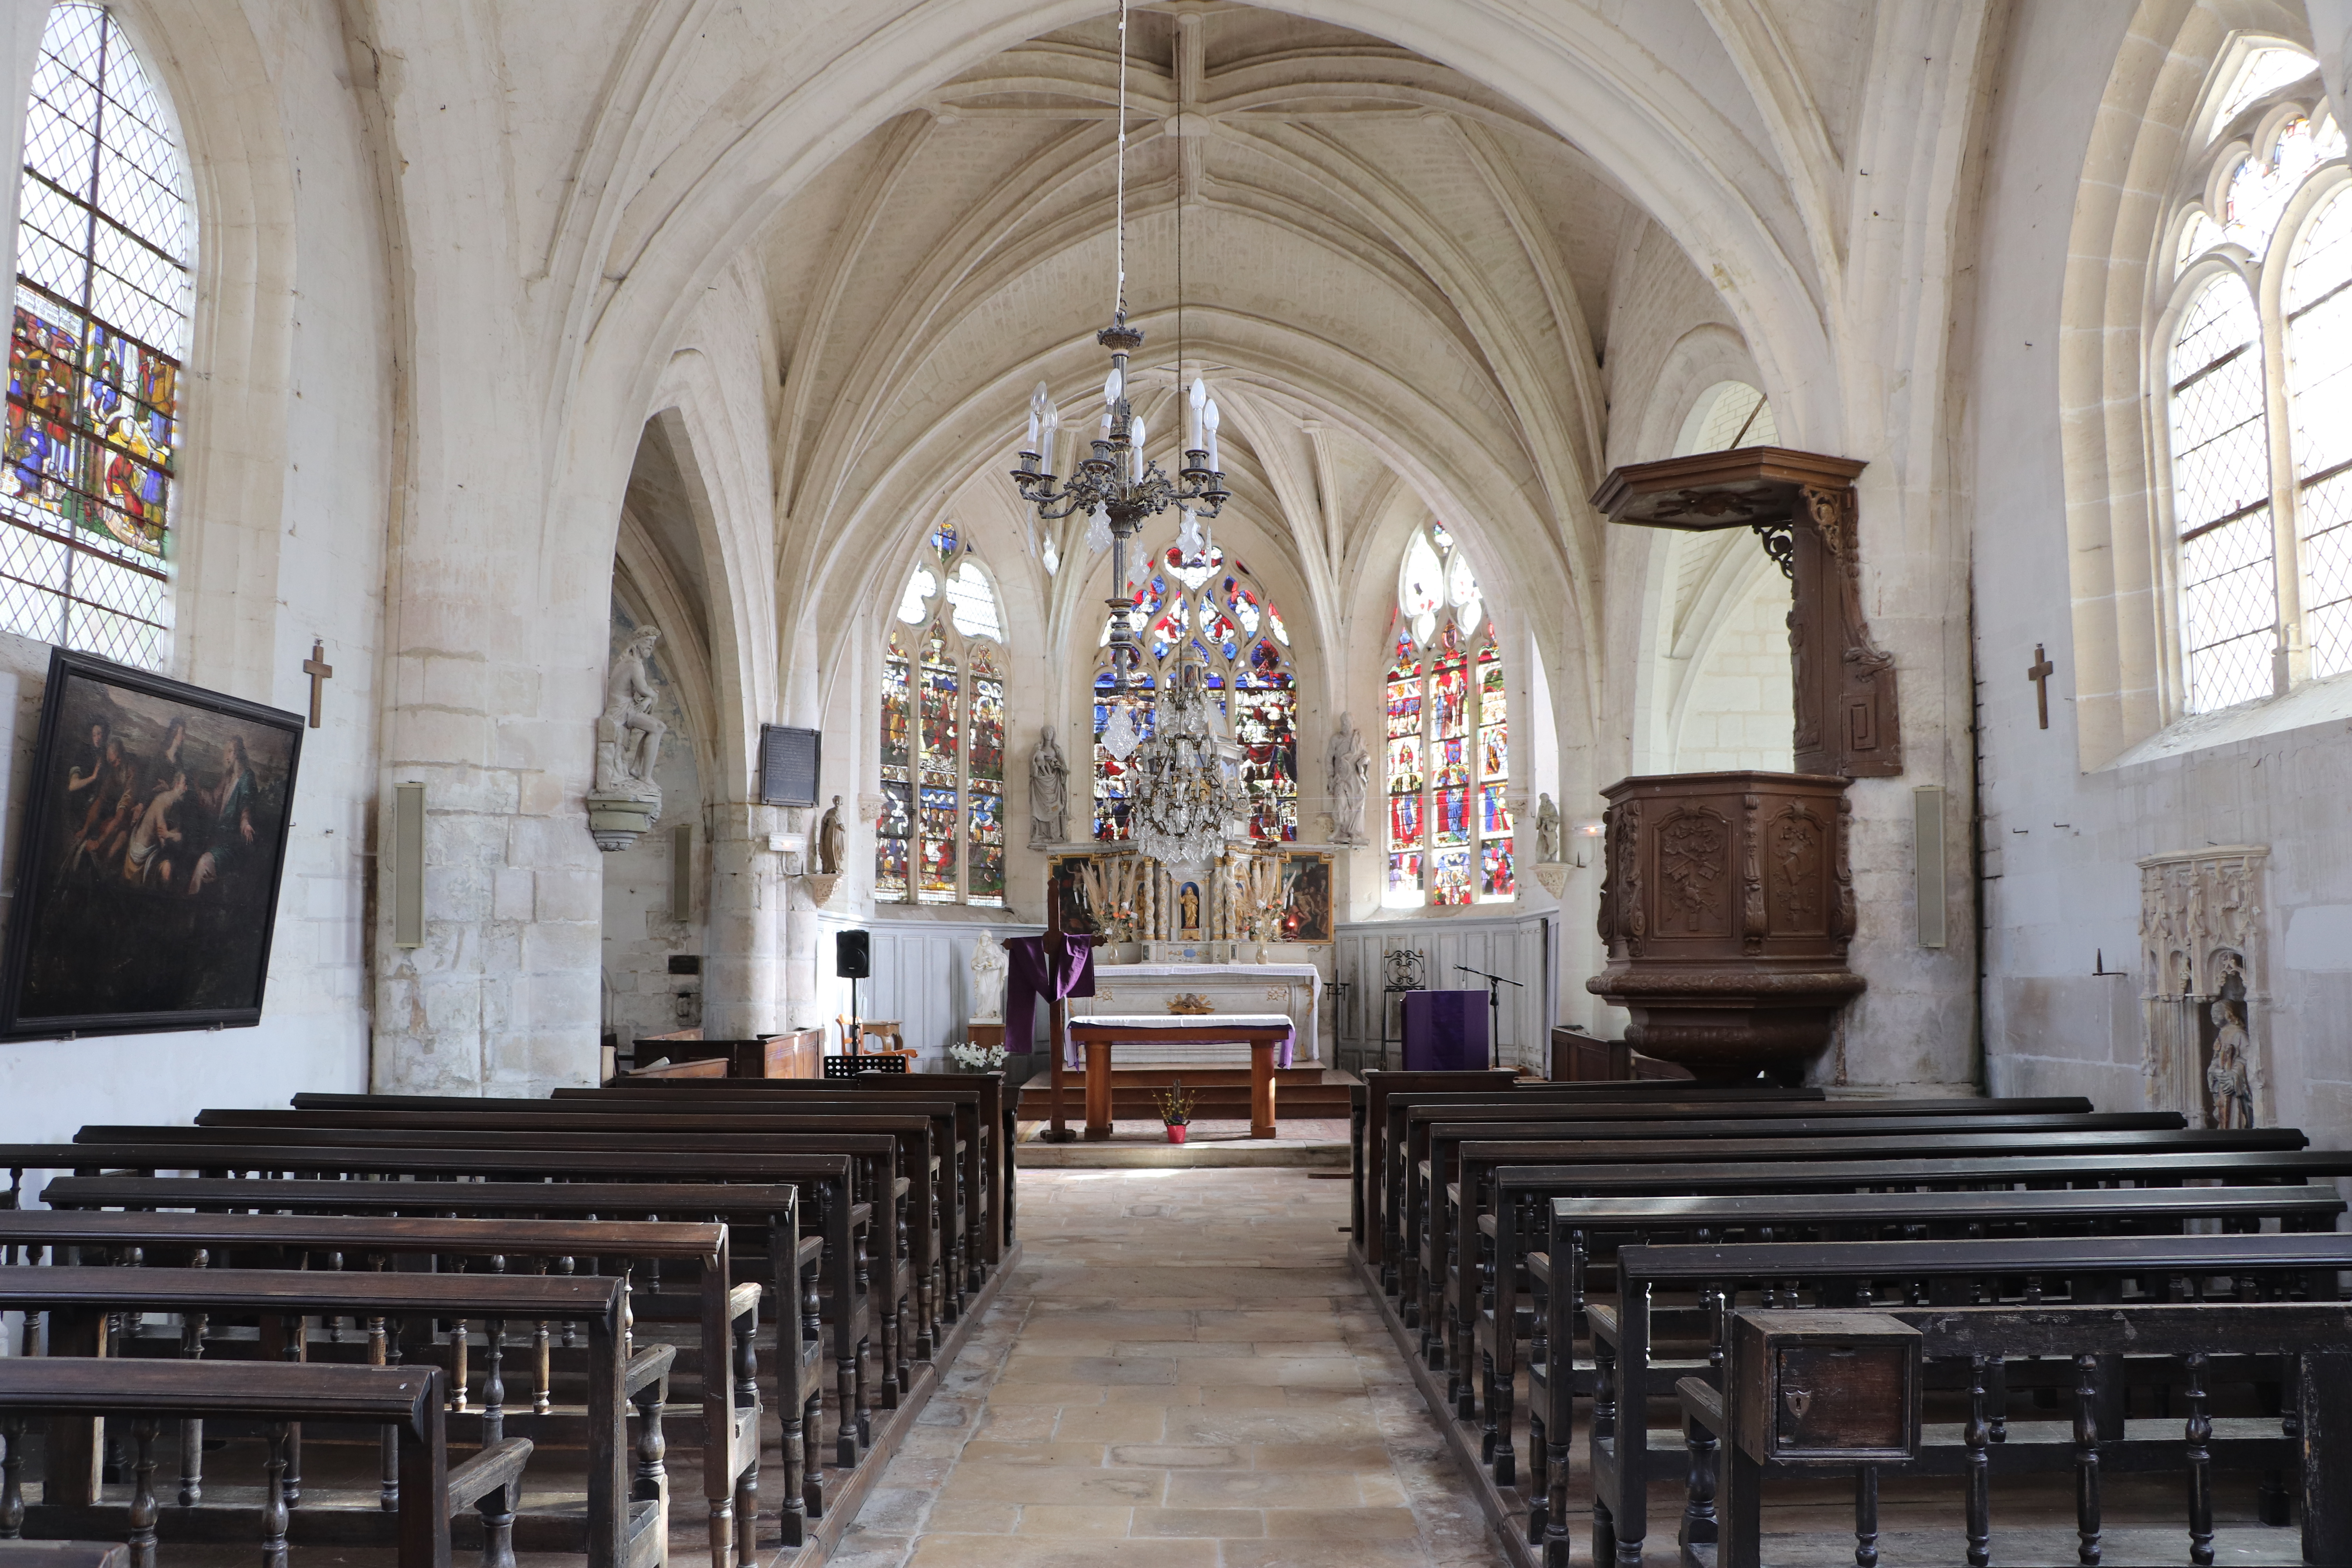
x=1182, y=1373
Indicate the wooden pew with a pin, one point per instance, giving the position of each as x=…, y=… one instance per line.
x=1000, y=1132
x=937, y=1241
x=2317, y=1336
x=1425, y=1224
x=1377, y=1162
x=725, y=1314
x=405, y=1401
x=1619, y=1444
x=1410, y=1113
x=886, y=1281
x=1586, y=1232
x=1367, y=1104
x=619, y=1529
x=845, y=1217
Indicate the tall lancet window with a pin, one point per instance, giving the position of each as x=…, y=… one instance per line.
x=2259, y=367
x=1217, y=606
x=104, y=239
x=1448, y=761
x=940, y=838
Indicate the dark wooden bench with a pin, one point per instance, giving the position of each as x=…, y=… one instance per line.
x=843, y=1217
x=722, y=1356
x=404, y=1401
x=936, y=1231
x=1585, y=1234
x=622, y=1527
x=65, y=1554
x=1431, y=1198
x=1382, y=1172
x=2091, y=1270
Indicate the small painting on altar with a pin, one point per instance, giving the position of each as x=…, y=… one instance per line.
x=1306, y=898
x=1067, y=910
x=1188, y=912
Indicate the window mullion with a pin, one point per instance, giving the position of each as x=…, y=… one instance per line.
x=2292, y=658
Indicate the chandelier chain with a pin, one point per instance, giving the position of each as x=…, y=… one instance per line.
x=1119, y=243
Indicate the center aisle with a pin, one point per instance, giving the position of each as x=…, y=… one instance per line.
x=1182, y=1374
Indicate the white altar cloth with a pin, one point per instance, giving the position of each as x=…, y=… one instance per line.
x=1235, y=990
x=1136, y=1053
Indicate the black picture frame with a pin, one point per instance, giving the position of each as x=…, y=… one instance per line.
x=156, y=913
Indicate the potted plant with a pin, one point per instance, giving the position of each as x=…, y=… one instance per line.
x=1175, y=1110
x=970, y=1057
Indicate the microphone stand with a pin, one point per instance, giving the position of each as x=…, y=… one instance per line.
x=1494, y=1009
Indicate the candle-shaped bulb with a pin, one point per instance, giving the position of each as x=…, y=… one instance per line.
x=1200, y=396
x=1209, y=420
x=1135, y=435
x=1029, y=444
x=1049, y=430
x=1112, y=387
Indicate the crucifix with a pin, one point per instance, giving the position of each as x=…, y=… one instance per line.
x=318, y=669
x=2040, y=672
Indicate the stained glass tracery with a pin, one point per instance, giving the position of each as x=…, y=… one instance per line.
x=1448, y=737
x=940, y=835
x=100, y=326
x=1211, y=603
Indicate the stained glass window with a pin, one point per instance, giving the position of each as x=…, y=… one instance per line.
x=2262, y=507
x=103, y=247
x=1448, y=748
x=1217, y=605
x=940, y=837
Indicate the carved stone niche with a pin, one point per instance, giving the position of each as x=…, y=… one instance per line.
x=1802, y=505
x=2204, y=1005
x=1726, y=905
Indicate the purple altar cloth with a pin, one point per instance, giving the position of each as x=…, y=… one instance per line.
x=1051, y=967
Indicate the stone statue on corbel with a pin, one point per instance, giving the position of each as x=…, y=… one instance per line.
x=623, y=801
x=2203, y=1006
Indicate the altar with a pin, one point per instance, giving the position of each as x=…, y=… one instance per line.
x=1205, y=991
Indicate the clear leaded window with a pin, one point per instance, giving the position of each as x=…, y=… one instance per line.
x=2259, y=372
x=940, y=837
x=1447, y=761
x=103, y=246
x=1218, y=606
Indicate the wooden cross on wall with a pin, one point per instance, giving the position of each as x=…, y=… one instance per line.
x=2040, y=672
x=320, y=671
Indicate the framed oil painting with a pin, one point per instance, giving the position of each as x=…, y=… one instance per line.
x=149, y=859
x=1065, y=894
x=1306, y=897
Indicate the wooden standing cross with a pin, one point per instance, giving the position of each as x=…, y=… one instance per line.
x=2040, y=672
x=318, y=670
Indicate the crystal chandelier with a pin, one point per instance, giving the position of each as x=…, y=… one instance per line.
x=1118, y=487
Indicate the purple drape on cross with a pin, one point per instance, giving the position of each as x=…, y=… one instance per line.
x=1051, y=967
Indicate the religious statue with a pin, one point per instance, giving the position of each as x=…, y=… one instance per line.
x=2227, y=1078
x=1351, y=772
x=1049, y=791
x=832, y=841
x=987, y=966
x=1547, y=831
x=629, y=735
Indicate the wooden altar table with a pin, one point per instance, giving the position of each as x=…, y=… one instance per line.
x=1262, y=1032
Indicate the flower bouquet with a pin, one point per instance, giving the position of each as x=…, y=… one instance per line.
x=1175, y=1109
x=970, y=1058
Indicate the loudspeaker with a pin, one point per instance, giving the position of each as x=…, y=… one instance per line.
x=852, y=955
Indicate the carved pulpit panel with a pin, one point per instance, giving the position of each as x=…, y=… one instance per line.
x=1802, y=506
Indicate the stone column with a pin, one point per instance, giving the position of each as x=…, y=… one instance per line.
x=743, y=950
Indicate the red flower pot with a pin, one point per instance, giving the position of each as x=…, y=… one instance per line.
x=1175, y=1132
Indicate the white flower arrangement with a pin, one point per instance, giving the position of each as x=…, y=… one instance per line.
x=976, y=1059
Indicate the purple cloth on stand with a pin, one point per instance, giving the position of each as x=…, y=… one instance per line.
x=1051, y=967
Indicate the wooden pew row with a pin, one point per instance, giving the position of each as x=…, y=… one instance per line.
x=2317, y=1336
x=722, y=1355
x=2098, y=1271
x=619, y=1529
x=876, y=1278
x=1382, y=1172
x=405, y=1401
x=1587, y=1233
x=1411, y=1114
x=1367, y=1122
x=937, y=1239
x=997, y=1114
x=1443, y=1202
x=978, y=1099
x=841, y=1216
x=1668, y=1169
